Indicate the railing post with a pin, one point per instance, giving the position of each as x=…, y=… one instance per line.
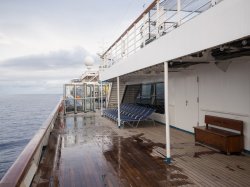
x=134, y=38
x=213, y=2
x=123, y=46
x=127, y=44
x=157, y=18
x=168, y=158
x=118, y=101
x=116, y=52
x=105, y=60
x=111, y=55
x=143, y=29
x=179, y=12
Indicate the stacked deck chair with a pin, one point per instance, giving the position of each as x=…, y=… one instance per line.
x=130, y=114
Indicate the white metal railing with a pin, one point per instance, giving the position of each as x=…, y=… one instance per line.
x=160, y=18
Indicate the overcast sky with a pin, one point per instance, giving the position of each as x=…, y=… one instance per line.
x=43, y=43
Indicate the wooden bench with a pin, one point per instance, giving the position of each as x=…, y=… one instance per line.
x=218, y=134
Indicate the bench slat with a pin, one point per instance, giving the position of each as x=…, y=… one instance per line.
x=218, y=131
x=225, y=123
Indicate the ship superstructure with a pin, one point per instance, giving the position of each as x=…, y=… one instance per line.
x=196, y=51
x=186, y=60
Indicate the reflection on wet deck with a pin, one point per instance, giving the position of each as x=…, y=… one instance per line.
x=92, y=154
x=92, y=151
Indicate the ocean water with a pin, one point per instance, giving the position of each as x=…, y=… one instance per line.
x=20, y=118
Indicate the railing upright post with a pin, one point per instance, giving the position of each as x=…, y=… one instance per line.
x=127, y=44
x=111, y=55
x=116, y=52
x=134, y=38
x=213, y=2
x=179, y=12
x=157, y=18
x=143, y=29
x=104, y=61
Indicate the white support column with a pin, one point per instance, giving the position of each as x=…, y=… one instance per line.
x=75, y=101
x=118, y=101
x=94, y=97
x=101, y=100
x=179, y=12
x=168, y=158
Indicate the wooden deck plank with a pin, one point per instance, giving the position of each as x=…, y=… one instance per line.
x=96, y=152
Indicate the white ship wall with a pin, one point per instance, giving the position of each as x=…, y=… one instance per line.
x=225, y=94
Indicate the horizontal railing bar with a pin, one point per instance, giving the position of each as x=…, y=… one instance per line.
x=132, y=25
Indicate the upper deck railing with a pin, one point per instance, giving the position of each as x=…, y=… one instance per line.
x=160, y=18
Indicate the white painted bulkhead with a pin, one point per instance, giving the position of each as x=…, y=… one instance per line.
x=225, y=94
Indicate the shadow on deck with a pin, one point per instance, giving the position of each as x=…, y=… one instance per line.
x=92, y=151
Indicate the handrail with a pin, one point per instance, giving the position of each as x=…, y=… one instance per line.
x=19, y=169
x=132, y=25
x=154, y=22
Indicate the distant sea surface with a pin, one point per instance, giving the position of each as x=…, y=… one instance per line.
x=20, y=118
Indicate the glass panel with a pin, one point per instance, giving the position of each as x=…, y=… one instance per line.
x=87, y=105
x=79, y=91
x=159, y=100
x=97, y=96
x=88, y=91
x=146, y=94
x=152, y=95
x=69, y=98
x=79, y=105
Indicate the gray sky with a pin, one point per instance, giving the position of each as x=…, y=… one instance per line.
x=43, y=43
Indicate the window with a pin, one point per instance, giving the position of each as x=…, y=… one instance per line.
x=146, y=93
x=152, y=95
x=159, y=98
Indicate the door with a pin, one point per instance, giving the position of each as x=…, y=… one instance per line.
x=186, y=100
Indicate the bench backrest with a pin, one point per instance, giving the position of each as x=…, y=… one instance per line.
x=224, y=122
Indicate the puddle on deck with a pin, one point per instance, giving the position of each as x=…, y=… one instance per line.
x=92, y=154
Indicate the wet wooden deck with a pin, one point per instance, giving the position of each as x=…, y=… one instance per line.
x=92, y=151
